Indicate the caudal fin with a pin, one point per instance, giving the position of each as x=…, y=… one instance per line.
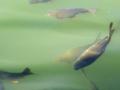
x=27, y=71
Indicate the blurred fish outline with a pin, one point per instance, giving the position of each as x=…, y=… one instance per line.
x=70, y=12
x=71, y=55
x=15, y=76
x=84, y=57
x=94, y=51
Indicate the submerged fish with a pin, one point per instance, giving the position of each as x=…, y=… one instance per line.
x=15, y=76
x=81, y=58
x=93, y=52
x=70, y=12
x=39, y=1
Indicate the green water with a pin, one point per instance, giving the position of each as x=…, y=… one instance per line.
x=29, y=38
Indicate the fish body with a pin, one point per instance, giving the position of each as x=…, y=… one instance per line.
x=70, y=12
x=92, y=53
x=39, y=1
x=15, y=76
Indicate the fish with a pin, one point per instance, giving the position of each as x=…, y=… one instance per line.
x=70, y=12
x=15, y=76
x=93, y=52
x=39, y=1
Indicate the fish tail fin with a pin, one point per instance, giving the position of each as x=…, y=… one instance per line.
x=92, y=10
x=27, y=71
x=111, y=30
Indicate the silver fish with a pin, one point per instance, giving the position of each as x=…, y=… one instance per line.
x=39, y=1
x=93, y=52
x=70, y=12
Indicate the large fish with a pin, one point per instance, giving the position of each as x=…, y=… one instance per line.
x=70, y=12
x=93, y=52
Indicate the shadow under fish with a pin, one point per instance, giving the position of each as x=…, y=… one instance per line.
x=15, y=76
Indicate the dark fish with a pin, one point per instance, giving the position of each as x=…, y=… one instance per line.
x=70, y=12
x=93, y=52
x=39, y=1
x=15, y=76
